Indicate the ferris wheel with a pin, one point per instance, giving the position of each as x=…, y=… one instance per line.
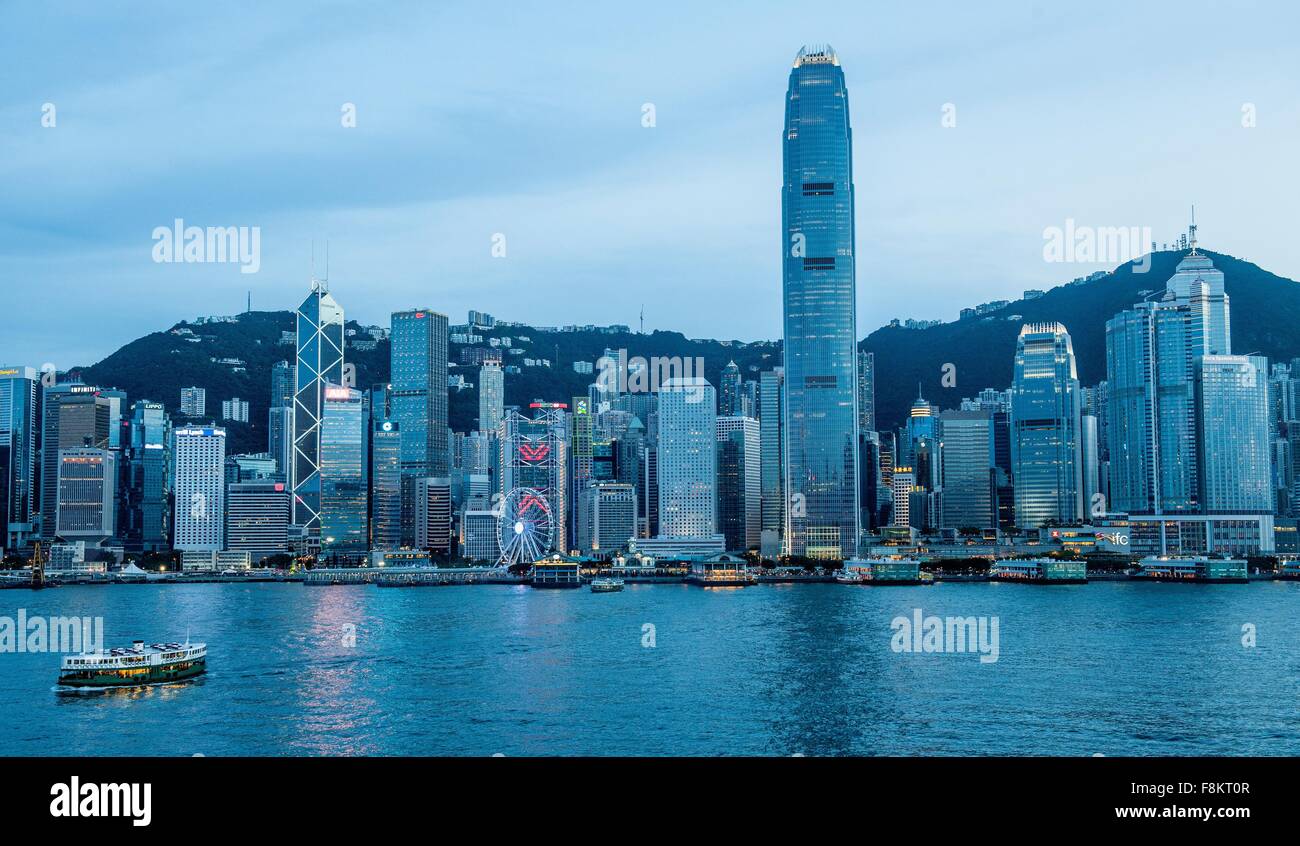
x=525, y=527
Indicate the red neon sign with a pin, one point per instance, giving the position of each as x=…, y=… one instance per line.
x=533, y=452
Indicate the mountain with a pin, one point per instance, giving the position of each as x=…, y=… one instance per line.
x=1265, y=308
x=1265, y=319
x=158, y=366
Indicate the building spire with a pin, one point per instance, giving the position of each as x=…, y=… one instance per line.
x=1191, y=231
x=323, y=284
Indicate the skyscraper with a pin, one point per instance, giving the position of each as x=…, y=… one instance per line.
x=1153, y=355
x=901, y=487
x=319, y=364
x=1090, y=466
x=867, y=391
x=729, y=402
x=146, y=525
x=921, y=428
x=419, y=401
x=771, y=416
x=433, y=515
x=739, y=487
x=1045, y=411
x=1198, y=285
x=72, y=416
x=282, y=384
x=200, y=462
x=581, y=456
x=87, y=498
x=257, y=519
x=18, y=479
x=1150, y=371
x=687, y=459
x=279, y=428
x=1232, y=434
x=385, y=486
x=966, y=456
x=820, y=325
x=491, y=395
x=344, y=485
x=279, y=418
x=606, y=518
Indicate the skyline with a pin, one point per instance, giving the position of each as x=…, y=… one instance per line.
x=545, y=144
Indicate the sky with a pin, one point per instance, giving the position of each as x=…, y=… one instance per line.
x=500, y=157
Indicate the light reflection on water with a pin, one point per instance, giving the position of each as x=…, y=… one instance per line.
x=1113, y=668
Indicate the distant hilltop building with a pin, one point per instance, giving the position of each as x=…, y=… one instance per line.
x=194, y=402
x=235, y=409
x=985, y=308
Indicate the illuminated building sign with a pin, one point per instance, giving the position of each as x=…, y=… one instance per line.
x=533, y=452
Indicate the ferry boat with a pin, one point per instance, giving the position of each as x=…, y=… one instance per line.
x=883, y=571
x=606, y=585
x=1042, y=571
x=135, y=665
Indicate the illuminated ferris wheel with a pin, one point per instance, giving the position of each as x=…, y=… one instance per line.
x=525, y=527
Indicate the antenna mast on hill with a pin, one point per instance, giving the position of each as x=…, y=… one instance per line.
x=642, y=318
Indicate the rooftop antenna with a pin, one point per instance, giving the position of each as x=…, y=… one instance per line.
x=642, y=318
x=1191, y=232
x=321, y=284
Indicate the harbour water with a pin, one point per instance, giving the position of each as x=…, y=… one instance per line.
x=1110, y=668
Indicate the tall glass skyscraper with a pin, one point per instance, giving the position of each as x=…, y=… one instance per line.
x=729, y=392
x=320, y=364
x=820, y=329
x=18, y=387
x=1232, y=433
x=385, y=485
x=418, y=403
x=1045, y=411
x=739, y=487
x=966, y=458
x=279, y=417
x=771, y=414
x=72, y=416
x=344, y=480
x=867, y=392
x=491, y=396
x=1153, y=354
x=146, y=526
